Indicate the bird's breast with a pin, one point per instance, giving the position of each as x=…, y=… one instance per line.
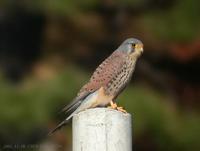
x=121, y=79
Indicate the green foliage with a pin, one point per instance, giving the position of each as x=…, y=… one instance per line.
x=178, y=23
x=33, y=104
x=62, y=7
x=154, y=114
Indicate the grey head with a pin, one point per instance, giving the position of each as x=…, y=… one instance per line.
x=131, y=45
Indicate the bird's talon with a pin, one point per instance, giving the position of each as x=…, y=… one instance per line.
x=112, y=105
x=121, y=109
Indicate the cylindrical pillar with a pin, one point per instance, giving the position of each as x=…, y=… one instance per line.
x=102, y=129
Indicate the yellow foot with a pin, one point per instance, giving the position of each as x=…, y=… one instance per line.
x=121, y=109
x=112, y=105
x=115, y=107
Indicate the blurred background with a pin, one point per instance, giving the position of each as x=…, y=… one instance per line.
x=49, y=48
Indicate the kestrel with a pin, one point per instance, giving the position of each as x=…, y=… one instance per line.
x=108, y=81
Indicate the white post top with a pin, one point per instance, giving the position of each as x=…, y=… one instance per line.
x=102, y=129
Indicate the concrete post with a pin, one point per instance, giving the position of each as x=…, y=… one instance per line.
x=102, y=129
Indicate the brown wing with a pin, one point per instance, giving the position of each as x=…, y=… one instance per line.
x=105, y=72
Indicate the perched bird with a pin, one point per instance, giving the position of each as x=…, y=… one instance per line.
x=108, y=81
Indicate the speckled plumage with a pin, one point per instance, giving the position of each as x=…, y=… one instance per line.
x=106, y=75
x=109, y=79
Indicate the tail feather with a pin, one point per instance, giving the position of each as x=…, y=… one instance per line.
x=75, y=103
x=63, y=123
x=75, y=107
x=71, y=107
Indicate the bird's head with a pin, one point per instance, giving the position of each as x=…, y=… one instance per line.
x=131, y=46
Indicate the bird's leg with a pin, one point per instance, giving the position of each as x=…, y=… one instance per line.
x=112, y=105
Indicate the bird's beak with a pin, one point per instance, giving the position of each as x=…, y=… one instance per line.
x=139, y=48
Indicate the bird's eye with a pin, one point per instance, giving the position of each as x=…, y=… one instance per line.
x=133, y=47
